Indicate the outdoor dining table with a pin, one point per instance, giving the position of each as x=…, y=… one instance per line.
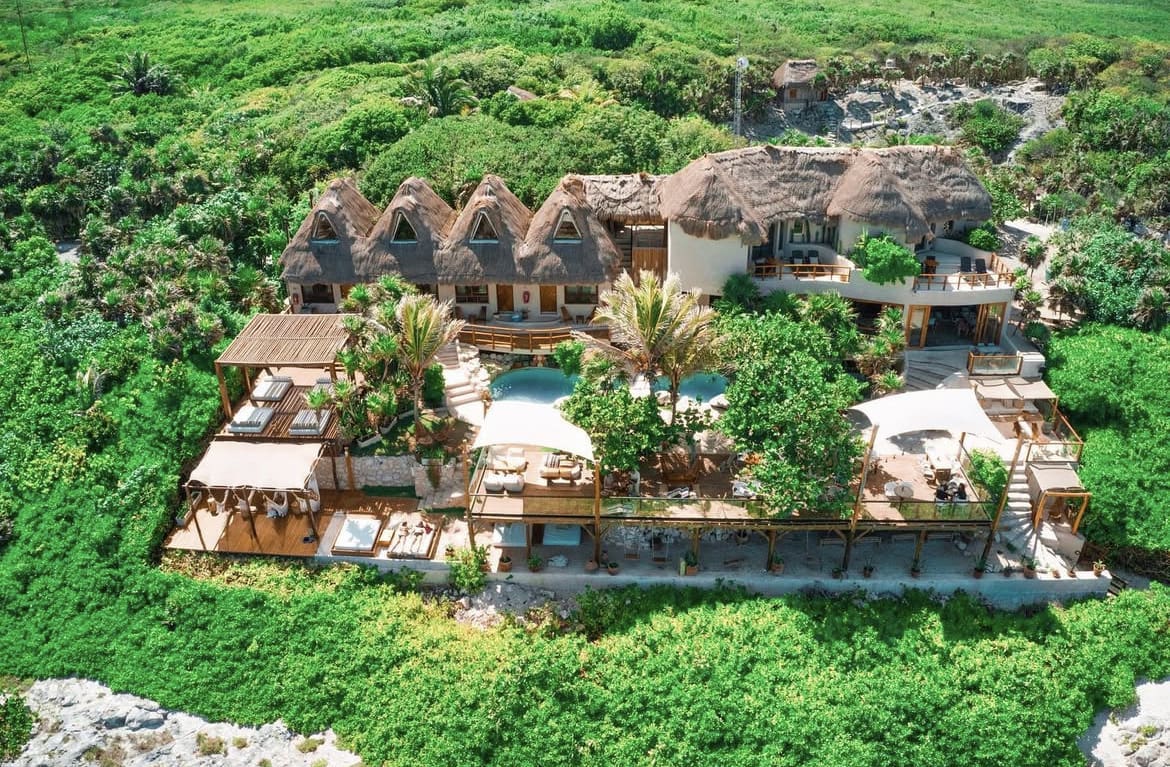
x=941, y=466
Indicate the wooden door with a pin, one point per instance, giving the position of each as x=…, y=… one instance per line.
x=917, y=324
x=989, y=323
x=548, y=299
x=505, y=299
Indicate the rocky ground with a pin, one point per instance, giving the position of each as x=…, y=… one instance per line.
x=500, y=599
x=1138, y=736
x=867, y=113
x=82, y=722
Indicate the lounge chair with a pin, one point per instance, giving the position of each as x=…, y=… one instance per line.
x=964, y=264
x=250, y=420
x=271, y=389
x=557, y=466
x=310, y=423
x=980, y=266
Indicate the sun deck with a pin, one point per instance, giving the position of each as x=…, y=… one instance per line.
x=278, y=428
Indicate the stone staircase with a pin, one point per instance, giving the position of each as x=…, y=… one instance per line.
x=466, y=380
x=1050, y=545
x=927, y=370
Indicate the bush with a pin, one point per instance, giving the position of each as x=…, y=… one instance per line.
x=987, y=126
x=983, y=238
x=567, y=355
x=613, y=31
x=988, y=474
x=883, y=261
x=16, y=722
x=467, y=569
x=434, y=387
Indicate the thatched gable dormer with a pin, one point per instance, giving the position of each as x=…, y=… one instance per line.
x=484, y=243
x=871, y=194
x=324, y=248
x=410, y=233
x=705, y=203
x=629, y=199
x=566, y=243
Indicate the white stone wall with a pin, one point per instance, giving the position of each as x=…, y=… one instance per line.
x=368, y=470
x=704, y=264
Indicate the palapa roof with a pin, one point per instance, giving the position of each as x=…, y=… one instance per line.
x=901, y=189
x=547, y=260
x=464, y=261
x=630, y=198
x=795, y=72
x=351, y=216
x=287, y=340
x=429, y=216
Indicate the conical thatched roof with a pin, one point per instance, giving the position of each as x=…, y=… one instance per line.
x=463, y=260
x=869, y=192
x=630, y=198
x=795, y=72
x=548, y=260
x=702, y=200
x=899, y=188
x=429, y=217
x=310, y=259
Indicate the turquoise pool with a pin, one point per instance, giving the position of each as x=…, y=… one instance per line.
x=541, y=386
x=544, y=386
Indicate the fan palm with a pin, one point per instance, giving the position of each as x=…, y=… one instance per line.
x=424, y=327
x=444, y=93
x=138, y=75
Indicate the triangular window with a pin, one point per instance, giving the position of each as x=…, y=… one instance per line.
x=323, y=230
x=567, y=228
x=484, y=231
x=403, y=231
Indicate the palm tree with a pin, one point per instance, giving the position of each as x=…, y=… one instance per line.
x=1152, y=309
x=443, y=92
x=424, y=327
x=655, y=326
x=138, y=75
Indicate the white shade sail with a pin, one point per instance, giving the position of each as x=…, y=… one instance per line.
x=525, y=423
x=259, y=465
x=953, y=410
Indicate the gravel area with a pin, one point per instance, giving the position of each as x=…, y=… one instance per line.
x=1138, y=736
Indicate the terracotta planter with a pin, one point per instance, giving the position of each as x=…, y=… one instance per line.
x=915, y=573
x=977, y=573
x=504, y=567
x=867, y=572
x=776, y=568
x=1029, y=572
x=691, y=570
x=591, y=566
x=613, y=568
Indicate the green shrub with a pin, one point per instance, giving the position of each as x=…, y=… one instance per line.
x=467, y=569
x=987, y=126
x=988, y=474
x=209, y=745
x=983, y=238
x=309, y=745
x=434, y=387
x=16, y=721
x=884, y=261
x=567, y=355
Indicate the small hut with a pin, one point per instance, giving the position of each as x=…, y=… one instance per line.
x=566, y=243
x=323, y=253
x=486, y=237
x=870, y=195
x=411, y=230
x=797, y=85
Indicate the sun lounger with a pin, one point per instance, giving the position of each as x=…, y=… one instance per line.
x=271, y=389
x=310, y=423
x=250, y=420
x=557, y=466
x=980, y=266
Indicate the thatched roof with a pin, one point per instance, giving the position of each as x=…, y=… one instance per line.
x=308, y=259
x=626, y=199
x=430, y=218
x=795, y=72
x=548, y=260
x=464, y=261
x=900, y=188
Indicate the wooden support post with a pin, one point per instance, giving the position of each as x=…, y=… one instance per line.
x=465, y=453
x=251, y=524
x=333, y=465
x=247, y=380
x=198, y=529
x=349, y=470
x=771, y=549
x=313, y=524
x=527, y=540
x=224, y=399
x=597, y=512
x=848, y=545
x=695, y=541
x=918, y=548
x=1002, y=500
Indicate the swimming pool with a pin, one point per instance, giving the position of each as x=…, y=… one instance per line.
x=544, y=386
x=541, y=386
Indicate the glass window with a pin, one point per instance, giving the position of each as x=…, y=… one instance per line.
x=403, y=231
x=317, y=294
x=484, y=231
x=567, y=228
x=323, y=230
x=471, y=294
x=580, y=294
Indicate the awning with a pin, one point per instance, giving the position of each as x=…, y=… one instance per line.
x=1013, y=388
x=953, y=410
x=1055, y=477
x=525, y=423
x=258, y=465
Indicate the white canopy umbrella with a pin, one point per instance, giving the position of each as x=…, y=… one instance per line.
x=526, y=423
x=259, y=465
x=953, y=410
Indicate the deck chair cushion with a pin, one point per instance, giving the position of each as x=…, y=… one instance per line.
x=250, y=420
x=271, y=389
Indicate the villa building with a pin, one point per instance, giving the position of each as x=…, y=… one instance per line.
x=797, y=84
x=787, y=216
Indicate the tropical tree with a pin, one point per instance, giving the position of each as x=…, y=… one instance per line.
x=656, y=326
x=1032, y=253
x=138, y=75
x=423, y=326
x=443, y=91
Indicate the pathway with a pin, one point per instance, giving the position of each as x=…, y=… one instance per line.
x=466, y=381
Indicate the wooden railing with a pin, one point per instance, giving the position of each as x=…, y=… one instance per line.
x=963, y=281
x=520, y=340
x=929, y=512
x=835, y=272
x=1056, y=441
x=994, y=364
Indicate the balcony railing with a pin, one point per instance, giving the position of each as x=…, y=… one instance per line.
x=994, y=364
x=1057, y=440
x=520, y=340
x=918, y=512
x=962, y=281
x=835, y=272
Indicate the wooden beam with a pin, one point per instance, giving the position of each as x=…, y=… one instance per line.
x=1002, y=500
x=596, y=510
x=918, y=548
x=349, y=470
x=223, y=392
x=465, y=454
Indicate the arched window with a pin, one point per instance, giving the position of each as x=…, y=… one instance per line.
x=567, y=228
x=484, y=231
x=403, y=231
x=323, y=230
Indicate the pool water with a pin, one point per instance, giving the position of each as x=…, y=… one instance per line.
x=543, y=386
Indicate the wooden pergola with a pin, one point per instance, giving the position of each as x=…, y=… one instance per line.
x=283, y=340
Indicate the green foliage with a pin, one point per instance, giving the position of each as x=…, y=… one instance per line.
x=467, y=569
x=624, y=429
x=740, y=292
x=434, y=387
x=16, y=722
x=567, y=355
x=1112, y=384
x=884, y=261
x=983, y=238
x=987, y=126
x=988, y=474
x=612, y=30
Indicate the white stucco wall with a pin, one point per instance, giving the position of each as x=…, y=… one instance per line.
x=701, y=263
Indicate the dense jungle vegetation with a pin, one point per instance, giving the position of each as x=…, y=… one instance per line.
x=178, y=141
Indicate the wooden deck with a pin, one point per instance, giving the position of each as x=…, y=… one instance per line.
x=277, y=429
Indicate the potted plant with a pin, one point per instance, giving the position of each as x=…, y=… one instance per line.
x=867, y=569
x=1007, y=571
x=1055, y=571
x=980, y=567
x=838, y=572
x=1098, y=568
x=1029, y=567
x=591, y=565
x=690, y=563
x=915, y=569
x=449, y=551
x=535, y=563
x=776, y=566
x=505, y=565
x=613, y=566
